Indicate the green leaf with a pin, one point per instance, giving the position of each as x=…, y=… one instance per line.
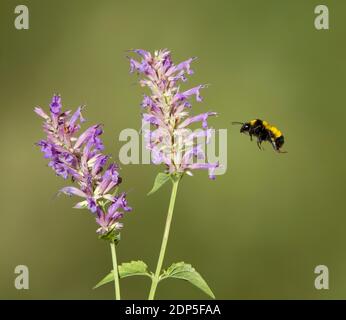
x=184, y=271
x=160, y=180
x=133, y=268
x=128, y=269
x=108, y=278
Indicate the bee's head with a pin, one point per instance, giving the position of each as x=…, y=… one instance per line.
x=245, y=127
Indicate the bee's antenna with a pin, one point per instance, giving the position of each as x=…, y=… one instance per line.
x=237, y=122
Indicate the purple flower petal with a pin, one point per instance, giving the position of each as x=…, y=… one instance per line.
x=144, y=54
x=211, y=167
x=201, y=117
x=87, y=135
x=73, y=191
x=186, y=94
x=41, y=113
x=55, y=106
x=150, y=118
x=92, y=205
x=77, y=115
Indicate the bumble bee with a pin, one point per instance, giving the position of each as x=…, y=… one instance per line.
x=263, y=131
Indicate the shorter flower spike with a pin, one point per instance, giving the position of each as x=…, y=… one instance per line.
x=80, y=158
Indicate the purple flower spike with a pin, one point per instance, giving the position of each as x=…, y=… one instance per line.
x=167, y=110
x=80, y=158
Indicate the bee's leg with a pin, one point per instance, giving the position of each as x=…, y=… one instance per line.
x=259, y=144
x=250, y=136
x=274, y=145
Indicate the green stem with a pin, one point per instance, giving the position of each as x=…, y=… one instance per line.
x=115, y=271
x=164, y=240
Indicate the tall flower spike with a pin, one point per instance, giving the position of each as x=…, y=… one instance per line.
x=80, y=158
x=167, y=110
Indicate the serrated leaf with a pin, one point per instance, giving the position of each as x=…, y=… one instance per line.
x=184, y=271
x=160, y=180
x=133, y=268
x=127, y=269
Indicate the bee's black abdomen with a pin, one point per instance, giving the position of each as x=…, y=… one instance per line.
x=279, y=142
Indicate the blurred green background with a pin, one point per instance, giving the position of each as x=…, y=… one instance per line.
x=258, y=231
